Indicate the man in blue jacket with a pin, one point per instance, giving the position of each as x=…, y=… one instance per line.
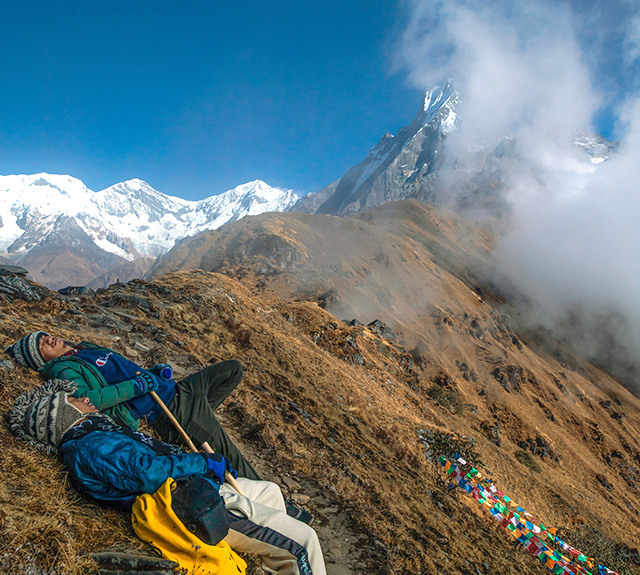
x=115, y=464
x=120, y=388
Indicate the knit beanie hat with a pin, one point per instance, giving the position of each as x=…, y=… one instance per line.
x=27, y=350
x=42, y=416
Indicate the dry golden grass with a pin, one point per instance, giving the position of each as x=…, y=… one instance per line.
x=339, y=406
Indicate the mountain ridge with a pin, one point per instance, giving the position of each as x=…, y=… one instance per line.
x=355, y=418
x=125, y=221
x=417, y=163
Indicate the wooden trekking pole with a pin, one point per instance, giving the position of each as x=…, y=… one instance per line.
x=230, y=479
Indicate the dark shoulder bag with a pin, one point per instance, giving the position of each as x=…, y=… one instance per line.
x=200, y=507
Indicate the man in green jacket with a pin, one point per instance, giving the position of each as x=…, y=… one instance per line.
x=120, y=388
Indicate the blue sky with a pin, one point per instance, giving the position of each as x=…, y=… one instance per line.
x=198, y=97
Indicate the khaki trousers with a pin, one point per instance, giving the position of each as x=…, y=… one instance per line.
x=286, y=546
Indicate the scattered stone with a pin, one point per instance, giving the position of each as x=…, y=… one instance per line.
x=127, y=315
x=420, y=354
x=300, y=498
x=539, y=447
x=141, y=347
x=103, y=320
x=476, y=330
x=381, y=329
x=302, y=412
x=468, y=373
x=73, y=312
x=603, y=481
x=77, y=290
x=130, y=561
x=128, y=301
x=335, y=550
x=291, y=483
x=6, y=364
x=130, y=352
x=492, y=432
x=548, y=413
x=329, y=510
x=512, y=377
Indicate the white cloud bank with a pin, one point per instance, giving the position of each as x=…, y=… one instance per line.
x=541, y=72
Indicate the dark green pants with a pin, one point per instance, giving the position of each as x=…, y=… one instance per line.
x=197, y=396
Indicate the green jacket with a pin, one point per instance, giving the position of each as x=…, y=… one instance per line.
x=109, y=399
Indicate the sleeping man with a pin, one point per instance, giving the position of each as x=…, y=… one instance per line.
x=115, y=464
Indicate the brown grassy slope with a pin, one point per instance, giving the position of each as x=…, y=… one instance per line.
x=339, y=406
x=422, y=272
x=395, y=262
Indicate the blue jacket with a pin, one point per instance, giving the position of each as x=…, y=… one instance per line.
x=114, y=467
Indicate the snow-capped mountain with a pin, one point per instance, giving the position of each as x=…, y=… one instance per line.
x=416, y=163
x=44, y=212
x=394, y=162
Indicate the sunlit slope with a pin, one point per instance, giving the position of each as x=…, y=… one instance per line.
x=344, y=407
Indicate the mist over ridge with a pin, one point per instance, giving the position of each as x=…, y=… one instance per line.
x=527, y=74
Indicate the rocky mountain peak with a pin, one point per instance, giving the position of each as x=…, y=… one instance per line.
x=440, y=100
x=411, y=164
x=396, y=163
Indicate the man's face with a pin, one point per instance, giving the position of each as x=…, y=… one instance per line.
x=52, y=347
x=82, y=403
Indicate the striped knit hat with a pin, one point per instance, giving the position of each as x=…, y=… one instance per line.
x=42, y=416
x=27, y=350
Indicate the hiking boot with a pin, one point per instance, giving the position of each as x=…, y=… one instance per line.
x=298, y=513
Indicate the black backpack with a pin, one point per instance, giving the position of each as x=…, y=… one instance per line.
x=201, y=509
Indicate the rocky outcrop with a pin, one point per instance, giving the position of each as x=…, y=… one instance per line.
x=14, y=286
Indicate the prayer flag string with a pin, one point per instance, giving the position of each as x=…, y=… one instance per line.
x=527, y=530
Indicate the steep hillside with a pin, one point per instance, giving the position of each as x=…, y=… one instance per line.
x=358, y=422
x=394, y=262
